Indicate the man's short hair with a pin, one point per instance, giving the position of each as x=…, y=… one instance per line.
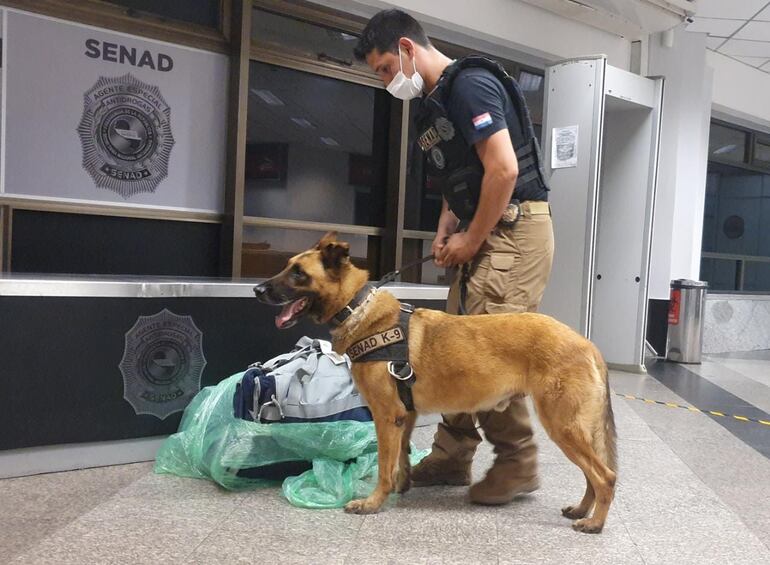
x=385, y=29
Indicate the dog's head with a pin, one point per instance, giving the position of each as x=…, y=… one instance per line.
x=318, y=282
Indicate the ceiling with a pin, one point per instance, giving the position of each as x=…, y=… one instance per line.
x=739, y=29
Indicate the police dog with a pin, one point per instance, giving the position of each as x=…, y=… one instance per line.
x=463, y=364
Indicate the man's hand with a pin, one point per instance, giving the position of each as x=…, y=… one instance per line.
x=459, y=248
x=438, y=244
x=447, y=224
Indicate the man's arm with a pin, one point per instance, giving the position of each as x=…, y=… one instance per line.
x=500, y=172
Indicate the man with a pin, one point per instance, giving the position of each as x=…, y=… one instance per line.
x=495, y=223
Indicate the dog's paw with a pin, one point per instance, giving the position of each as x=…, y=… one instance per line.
x=404, y=482
x=588, y=526
x=573, y=512
x=362, y=506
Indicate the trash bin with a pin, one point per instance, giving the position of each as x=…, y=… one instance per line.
x=686, y=310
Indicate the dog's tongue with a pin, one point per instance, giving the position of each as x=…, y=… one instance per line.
x=283, y=319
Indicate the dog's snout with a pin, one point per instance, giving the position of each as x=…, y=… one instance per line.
x=260, y=290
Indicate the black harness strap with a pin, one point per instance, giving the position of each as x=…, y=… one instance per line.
x=404, y=375
x=397, y=356
x=396, y=353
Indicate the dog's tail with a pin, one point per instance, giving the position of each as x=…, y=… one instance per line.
x=605, y=436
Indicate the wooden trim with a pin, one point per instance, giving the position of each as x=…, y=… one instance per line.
x=237, y=124
x=226, y=19
x=419, y=234
x=264, y=54
x=402, y=172
x=5, y=238
x=262, y=222
x=109, y=210
x=389, y=240
x=126, y=20
x=313, y=13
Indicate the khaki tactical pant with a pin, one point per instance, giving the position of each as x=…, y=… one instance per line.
x=509, y=274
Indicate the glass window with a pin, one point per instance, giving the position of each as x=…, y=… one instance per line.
x=317, y=148
x=762, y=153
x=201, y=12
x=266, y=250
x=736, y=222
x=727, y=144
x=309, y=41
x=320, y=147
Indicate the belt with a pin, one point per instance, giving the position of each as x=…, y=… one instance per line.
x=535, y=208
x=526, y=209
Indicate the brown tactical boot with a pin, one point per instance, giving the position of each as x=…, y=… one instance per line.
x=449, y=462
x=436, y=470
x=515, y=469
x=504, y=482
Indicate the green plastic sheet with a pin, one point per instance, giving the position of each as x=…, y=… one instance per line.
x=212, y=444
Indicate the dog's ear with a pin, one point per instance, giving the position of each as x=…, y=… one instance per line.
x=329, y=237
x=333, y=253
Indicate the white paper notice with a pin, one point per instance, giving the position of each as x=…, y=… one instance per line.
x=565, y=146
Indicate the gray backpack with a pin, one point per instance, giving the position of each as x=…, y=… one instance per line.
x=311, y=383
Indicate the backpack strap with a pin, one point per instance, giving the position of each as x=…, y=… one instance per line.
x=301, y=349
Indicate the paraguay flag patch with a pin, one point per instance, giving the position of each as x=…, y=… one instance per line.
x=482, y=120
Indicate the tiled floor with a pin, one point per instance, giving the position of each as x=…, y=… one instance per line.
x=691, y=490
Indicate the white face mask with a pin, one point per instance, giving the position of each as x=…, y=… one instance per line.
x=403, y=87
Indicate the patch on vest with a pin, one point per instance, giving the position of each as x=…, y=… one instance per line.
x=428, y=139
x=375, y=342
x=437, y=156
x=445, y=128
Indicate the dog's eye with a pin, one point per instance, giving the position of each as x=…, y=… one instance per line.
x=297, y=273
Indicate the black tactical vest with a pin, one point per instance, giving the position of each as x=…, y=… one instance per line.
x=453, y=165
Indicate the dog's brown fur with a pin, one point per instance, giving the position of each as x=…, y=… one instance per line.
x=465, y=364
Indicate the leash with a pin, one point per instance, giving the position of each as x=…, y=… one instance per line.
x=343, y=314
x=391, y=276
x=399, y=368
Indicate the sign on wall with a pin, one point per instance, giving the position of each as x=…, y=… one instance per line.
x=97, y=116
x=162, y=363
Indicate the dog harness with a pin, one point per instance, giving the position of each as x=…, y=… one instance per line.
x=391, y=345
